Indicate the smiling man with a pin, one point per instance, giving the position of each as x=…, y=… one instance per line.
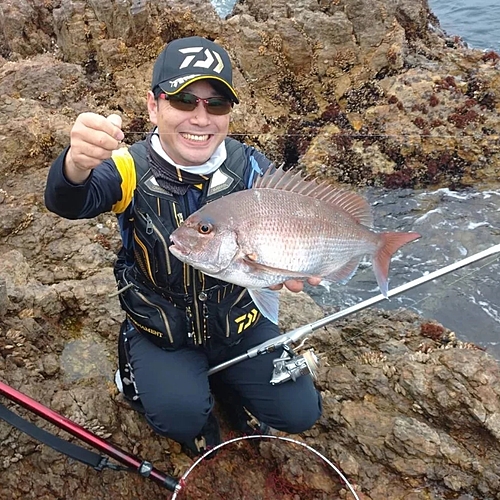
x=179, y=322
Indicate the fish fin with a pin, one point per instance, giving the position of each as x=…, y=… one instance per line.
x=250, y=259
x=345, y=273
x=389, y=244
x=272, y=175
x=292, y=181
x=267, y=302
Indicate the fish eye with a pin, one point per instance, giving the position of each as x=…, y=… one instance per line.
x=204, y=228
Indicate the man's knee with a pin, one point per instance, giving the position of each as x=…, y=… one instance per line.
x=296, y=411
x=179, y=420
x=299, y=419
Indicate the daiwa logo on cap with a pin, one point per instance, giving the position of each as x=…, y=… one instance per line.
x=179, y=81
x=211, y=57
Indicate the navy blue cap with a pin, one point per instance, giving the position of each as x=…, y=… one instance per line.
x=187, y=60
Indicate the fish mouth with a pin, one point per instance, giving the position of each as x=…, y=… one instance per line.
x=177, y=248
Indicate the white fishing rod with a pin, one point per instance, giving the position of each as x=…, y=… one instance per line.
x=289, y=366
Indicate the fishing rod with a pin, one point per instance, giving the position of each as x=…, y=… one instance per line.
x=289, y=366
x=143, y=467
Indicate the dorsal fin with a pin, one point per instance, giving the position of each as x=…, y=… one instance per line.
x=292, y=181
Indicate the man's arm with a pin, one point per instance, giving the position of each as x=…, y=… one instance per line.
x=100, y=191
x=83, y=181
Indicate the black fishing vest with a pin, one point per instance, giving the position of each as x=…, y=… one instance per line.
x=171, y=302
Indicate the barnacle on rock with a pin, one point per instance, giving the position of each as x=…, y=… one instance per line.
x=399, y=389
x=389, y=370
x=372, y=358
x=425, y=347
x=417, y=408
x=449, y=337
x=419, y=356
x=25, y=223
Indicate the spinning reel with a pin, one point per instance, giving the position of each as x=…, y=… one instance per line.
x=290, y=366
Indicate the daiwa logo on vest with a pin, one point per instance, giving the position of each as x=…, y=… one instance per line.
x=247, y=320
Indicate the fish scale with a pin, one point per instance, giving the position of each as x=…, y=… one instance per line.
x=297, y=244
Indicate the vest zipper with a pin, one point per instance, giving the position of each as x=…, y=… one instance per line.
x=199, y=332
x=150, y=229
x=162, y=314
x=178, y=215
x=192, y=316
x=149, y=224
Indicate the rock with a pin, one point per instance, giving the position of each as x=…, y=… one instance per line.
x=358, y=92
x=4, y=299
x=360, y=98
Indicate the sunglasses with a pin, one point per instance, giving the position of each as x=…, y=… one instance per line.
x=184, y=101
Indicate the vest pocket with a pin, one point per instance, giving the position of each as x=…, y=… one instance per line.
x=232, y=317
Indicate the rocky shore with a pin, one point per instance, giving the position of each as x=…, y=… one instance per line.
x=359, y=92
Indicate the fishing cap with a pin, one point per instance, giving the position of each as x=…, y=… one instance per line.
x=187, y=60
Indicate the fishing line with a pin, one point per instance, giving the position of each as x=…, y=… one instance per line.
x=352, y=135
x=183, y=479
x=462, y=278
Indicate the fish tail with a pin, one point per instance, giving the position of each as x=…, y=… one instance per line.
x=389, y=243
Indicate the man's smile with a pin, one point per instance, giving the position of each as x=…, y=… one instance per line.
x=196, y=137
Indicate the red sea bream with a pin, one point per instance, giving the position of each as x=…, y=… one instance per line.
x=285, y=227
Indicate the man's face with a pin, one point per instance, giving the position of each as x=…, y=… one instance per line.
x=189, y=137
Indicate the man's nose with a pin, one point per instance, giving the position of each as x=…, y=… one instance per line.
x=200, y=113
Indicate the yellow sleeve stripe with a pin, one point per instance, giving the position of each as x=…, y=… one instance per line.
x=125, y=165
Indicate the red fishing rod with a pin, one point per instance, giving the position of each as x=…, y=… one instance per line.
x=287, y=367
x=143, y=467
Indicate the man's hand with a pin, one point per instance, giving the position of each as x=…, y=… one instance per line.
x=93, y=140
x=296, y=285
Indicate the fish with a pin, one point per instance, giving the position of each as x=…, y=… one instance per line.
x=285, y=227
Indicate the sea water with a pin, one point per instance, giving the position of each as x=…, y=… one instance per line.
x=477, y=22
x=453, y=225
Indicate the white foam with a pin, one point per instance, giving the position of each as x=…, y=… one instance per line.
x=426, y=215
x=474, y=225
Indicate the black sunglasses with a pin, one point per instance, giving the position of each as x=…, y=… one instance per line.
x=188, y=102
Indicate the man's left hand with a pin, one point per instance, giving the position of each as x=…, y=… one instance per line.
x=296, y=285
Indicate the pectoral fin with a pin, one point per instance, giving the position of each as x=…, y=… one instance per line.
x=345, y=273
x=251, y=260
x=267, y=302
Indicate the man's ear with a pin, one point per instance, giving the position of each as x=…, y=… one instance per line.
x=152, y=108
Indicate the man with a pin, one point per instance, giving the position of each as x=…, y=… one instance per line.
x=179, y=322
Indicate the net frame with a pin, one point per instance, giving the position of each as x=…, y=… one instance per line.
x=183, y=479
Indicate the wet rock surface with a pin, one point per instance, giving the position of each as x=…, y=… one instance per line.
x=363, y=93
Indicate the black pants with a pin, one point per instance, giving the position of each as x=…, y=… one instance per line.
x=174, y=387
